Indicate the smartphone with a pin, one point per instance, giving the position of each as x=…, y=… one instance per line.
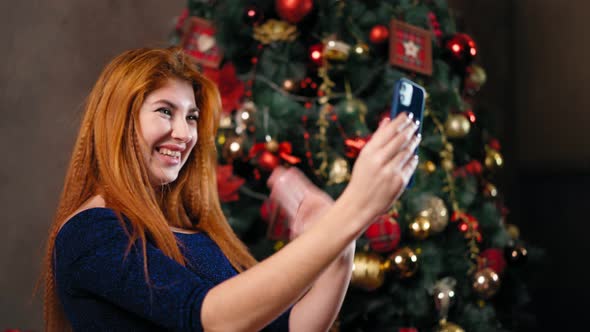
x=409, y=97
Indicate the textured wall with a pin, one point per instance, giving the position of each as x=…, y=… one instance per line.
x=52, y=52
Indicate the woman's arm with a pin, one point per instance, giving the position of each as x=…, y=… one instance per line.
x=252, y=299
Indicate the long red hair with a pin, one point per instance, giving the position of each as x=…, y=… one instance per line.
x=107, y=160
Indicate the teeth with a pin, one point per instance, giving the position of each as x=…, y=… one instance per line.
x=167, y=152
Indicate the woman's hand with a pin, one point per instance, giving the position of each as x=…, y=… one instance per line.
x=299, y=198
x=384, y=166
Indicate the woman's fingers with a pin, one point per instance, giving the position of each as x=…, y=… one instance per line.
x=388, y=129
x=400, y=141
x=406, y=152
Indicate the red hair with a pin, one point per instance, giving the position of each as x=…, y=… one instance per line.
x=107, y=160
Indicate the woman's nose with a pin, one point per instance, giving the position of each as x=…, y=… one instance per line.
x=181, y=131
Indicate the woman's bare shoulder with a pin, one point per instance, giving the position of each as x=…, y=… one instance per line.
x=96, y=201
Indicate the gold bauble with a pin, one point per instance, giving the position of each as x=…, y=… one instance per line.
x=493, y=159
x=368, y=271
x=449, y=327
x=429, y=167
x=486, y=283
x=272, y=146
x=336, y=50
x=420, y=227
x=435, y=209
x=490, y=190
x=339, y=171
x=404, y=262
x=476, y=77
x=457, y=126
x=233, y=148
x=513, y=231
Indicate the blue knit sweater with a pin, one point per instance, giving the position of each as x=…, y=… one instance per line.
x=102, y=289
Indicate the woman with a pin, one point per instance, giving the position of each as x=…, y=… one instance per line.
x=139, y=241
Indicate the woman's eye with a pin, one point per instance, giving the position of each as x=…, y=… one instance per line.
x=165, y=111
x=193, y=117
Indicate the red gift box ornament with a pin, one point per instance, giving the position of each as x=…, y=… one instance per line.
x=410, y=47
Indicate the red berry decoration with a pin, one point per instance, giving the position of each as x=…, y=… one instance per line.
x=268, y=161
x=379, y=34
x=293, y=11
x=383, y=234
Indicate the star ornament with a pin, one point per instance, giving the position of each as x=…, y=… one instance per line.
x=411, y=49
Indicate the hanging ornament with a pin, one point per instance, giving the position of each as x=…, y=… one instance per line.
x=494, y=259
x=368, y=271
x=446, y=157
x=383, y=234
x=434, y=209
x=460, y=50
x=316, y=53
x=420, y=227
x=404, y=262
x=486, y=283
x=493, y=159
x=336, y=50
x=490, y=190
x=267, y=161
x=253, y=15
x=244, y=117
x=428, y=166
x=513, y=231
x=379, y=34
x=445, y=326
x=339, y=171
x=457, y=126
x=271, y=145
x=410, y=47
x=443, y=292
x=352, y=109
x=293, y=11
x=474, y=79
x=275, y=31
x=361, y=50
x=199, y=41
x=233, y=148
x=515, y=254
x=289, y=85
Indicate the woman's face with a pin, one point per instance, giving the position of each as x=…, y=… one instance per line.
x=168, y=128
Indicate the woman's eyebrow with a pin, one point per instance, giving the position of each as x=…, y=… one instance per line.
x=174, y=106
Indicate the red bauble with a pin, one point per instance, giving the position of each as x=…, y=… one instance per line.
x=293, y=11
x=460, y=50
x=379, y=34
x=268, y=161
x=383, y=234
x=494, y=259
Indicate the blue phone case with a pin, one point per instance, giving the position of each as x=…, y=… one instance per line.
x=408, y=97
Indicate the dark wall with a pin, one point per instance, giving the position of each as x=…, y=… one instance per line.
x=536, y=55
x=52, y=52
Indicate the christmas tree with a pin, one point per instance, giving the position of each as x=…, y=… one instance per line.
x=304, y=83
